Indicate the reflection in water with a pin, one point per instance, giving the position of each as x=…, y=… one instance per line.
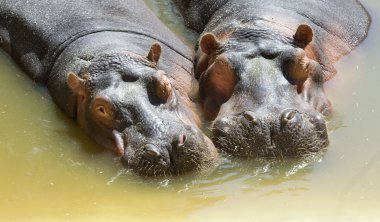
x=360, y=176
x=261, y=174
x=169, y=14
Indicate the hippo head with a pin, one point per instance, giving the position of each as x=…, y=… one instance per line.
x=126, y=104
x=263, y=92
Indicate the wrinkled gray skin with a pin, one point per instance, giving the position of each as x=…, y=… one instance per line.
x=268, y=113
x=112, y=88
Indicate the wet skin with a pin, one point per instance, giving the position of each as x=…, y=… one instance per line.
x=126, y=104
x=120, y=72
x=261, y=70
x=262, y=108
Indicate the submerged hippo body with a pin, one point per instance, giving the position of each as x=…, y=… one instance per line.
x=102, y=63
x=261, y=67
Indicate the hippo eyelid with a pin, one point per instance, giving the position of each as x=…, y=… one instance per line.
x=101, y=109
x=104, y=108
x=104, y=112
x=270, y=55
x=129, y=78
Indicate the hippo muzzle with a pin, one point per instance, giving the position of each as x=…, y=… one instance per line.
x=288, y=134
x=184, y=151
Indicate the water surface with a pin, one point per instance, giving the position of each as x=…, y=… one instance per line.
x=51, y=171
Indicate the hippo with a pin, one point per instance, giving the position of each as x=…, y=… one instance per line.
x=115, y=68
x=262, y=66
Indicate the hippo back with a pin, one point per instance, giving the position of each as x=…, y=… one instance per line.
x=197, y=13
x=35, y=32
x=339, y=26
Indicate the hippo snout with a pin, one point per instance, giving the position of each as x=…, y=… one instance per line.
x=164, y=155
x=186, y=150
x=290, y=132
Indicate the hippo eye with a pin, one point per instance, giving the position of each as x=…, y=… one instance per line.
x=216, y=86
x=129, y=78
x=269, y=54
x=296, y=66
x=103, y=111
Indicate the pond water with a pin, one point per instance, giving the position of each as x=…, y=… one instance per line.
x=51, y=171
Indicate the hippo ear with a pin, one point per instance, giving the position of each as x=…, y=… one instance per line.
x=163, y=86
x=304, y=35
x=154, y=53
x=209, y=43
x=76, y=84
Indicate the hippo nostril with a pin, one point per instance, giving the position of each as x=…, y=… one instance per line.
x=290, y=116
x=221, y=124
x=181, y=140
x=319, y=118
x=223, y=121
x=319, y=122
x=248, y=115
x=151, y=151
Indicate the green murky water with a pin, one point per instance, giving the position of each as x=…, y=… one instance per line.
x=50, y=170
